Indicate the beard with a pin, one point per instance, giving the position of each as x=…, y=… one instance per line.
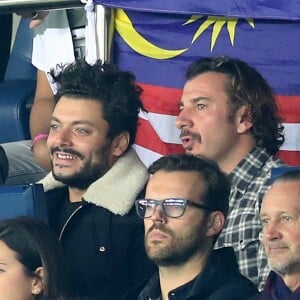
x=89, y=172
x=285, y=265
x=179, y=248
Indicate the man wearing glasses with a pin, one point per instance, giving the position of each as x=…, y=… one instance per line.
x=184, y=211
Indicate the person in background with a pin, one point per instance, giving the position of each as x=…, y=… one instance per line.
x=280, y=217
x=31, y=261
x=96, y=177
x=3, y=166
x=63, y=27
x=66, y=28
x=184, y=211
x=228, y=113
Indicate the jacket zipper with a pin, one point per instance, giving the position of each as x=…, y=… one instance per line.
x=68, y=220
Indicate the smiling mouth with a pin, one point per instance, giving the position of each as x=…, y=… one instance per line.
x=65, y=156
x=63, y=159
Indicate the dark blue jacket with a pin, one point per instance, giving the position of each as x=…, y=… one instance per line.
x=102, y=236
x=220, y=280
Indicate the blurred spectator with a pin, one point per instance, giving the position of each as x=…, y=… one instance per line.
x=31, y=261
x=59, y=38
x=280, y=216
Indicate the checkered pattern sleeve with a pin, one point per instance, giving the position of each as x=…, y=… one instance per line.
x=249, y=182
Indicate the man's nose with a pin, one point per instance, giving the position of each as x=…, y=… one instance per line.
x=272, y=231
x=158, y=215
x=61, y=137
x=184, y=120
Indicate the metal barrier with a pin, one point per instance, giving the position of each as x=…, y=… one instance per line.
x=9, y=6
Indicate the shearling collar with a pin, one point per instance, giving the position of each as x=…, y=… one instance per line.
x=117, y=189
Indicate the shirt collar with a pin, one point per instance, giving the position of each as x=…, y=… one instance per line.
x=248, y=167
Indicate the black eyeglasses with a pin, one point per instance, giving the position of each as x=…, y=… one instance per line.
x=172, y=207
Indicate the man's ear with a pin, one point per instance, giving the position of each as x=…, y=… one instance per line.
x=215, y=223
x=120, y=144
x=244, y=121
x=37, y=284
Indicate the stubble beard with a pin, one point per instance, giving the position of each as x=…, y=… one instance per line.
x=176, y=250
x=285, y=265
x=88, y=173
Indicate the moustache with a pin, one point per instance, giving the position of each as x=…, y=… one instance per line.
x=162, y=228
x=193, y=135
x=67, y=151
x=277, y=244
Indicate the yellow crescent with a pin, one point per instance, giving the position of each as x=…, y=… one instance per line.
x=137, y=42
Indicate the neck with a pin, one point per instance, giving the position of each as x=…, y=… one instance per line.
x=238, y=152
x=292, y=281
x=75, y=195
x=175, y=276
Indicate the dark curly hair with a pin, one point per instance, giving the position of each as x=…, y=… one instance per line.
x=115, y=89
x=246, y=86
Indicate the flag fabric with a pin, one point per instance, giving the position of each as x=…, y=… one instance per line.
x=158, y=43
x=262, y=9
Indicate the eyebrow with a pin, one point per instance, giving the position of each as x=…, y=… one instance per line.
x=263, y=215
x=78, y=122
x=278, y=213
x=194, y=100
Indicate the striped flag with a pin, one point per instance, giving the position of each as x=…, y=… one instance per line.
x=157, y=40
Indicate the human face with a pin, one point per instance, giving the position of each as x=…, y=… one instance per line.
x=78, y=144
x=15, y=284
x=206, y=128
x=280, y=215
x=170, y=241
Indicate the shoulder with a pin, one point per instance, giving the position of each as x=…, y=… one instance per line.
x=56, y=193
x=257, y=296
x=118, y=223
x=240, y=288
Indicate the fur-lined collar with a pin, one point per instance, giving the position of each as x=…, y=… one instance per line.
x=117, y=189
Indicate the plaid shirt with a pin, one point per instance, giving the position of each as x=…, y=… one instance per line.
x=250, y=180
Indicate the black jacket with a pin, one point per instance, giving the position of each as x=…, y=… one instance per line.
x=220, y=280
x=103, y=238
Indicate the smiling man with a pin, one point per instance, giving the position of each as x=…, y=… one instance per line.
x=95, y=179
x=184, y=211
x=228, y=114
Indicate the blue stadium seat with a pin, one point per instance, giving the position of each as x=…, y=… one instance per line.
x=276, y=172
x=23, y=200
x=17, y=89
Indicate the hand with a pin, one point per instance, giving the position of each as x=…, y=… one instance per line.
x=36, y=17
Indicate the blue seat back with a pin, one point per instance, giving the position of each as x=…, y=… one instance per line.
x=23, y=200
x=19, y=64
x=17, y=89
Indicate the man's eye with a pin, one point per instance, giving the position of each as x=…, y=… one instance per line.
x=287, y=218
x=265, y=221
x=53, y=126
x=201, y=106
x=82, y=131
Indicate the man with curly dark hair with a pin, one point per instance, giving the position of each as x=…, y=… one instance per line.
x=95, y=179
x=228, y=113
